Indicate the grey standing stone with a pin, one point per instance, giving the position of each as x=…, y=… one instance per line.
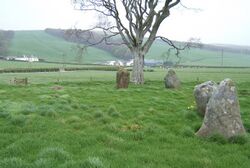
x=171, y=80
x=223, y=112
x=202, y=94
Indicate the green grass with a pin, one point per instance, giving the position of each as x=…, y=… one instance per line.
x=50, y=48
x=17, y=64
x=201, y=57
x=186, y=74
x=89, y=123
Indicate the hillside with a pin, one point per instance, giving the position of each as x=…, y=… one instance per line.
x=208, y=55
x=5, y=38
x=52, y=48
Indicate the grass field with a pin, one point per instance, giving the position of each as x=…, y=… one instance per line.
x=16, y=64
x=199, y=56
x=82, y=121
x=186, y=74
x=50, y=48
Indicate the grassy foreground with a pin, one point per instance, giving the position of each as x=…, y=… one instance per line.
x=88, y=123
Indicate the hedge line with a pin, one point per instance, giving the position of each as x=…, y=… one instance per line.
x=23, y=70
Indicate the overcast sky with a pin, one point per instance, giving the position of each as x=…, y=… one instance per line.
x=219, y=21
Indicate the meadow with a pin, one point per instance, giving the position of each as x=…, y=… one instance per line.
x=19, y=64
x=55, y=49
x=199, y=56
x=50, y=48
x=79, y=119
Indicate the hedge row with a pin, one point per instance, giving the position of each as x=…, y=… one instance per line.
x=23, y=70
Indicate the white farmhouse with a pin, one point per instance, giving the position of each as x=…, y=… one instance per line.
x=27, y=59
x=115, y=63
x=130, y=63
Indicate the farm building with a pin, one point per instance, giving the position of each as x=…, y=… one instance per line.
x=23, y=58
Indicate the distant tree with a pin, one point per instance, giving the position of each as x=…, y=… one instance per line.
x=135, y=21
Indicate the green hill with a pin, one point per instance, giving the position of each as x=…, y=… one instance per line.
x=50, y=48
x=201, y=56
x=54, y=48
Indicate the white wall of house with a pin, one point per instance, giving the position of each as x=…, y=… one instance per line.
x=27, y=59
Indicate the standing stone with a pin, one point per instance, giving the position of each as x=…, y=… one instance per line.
x=223, y=112
x=122, y=78
x=202, y=94
x=171, y=80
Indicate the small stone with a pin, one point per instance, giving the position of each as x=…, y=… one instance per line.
x=171, y=80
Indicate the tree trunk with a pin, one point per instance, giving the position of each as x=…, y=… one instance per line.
x=138, y=66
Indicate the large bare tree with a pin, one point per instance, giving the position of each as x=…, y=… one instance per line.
x=136, y=21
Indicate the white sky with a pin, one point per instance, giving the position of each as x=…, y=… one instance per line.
x=220, y=21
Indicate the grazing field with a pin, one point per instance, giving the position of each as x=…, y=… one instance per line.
x=18, y=64
x=82, y=121
x=200, y=57
x=50, y=48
